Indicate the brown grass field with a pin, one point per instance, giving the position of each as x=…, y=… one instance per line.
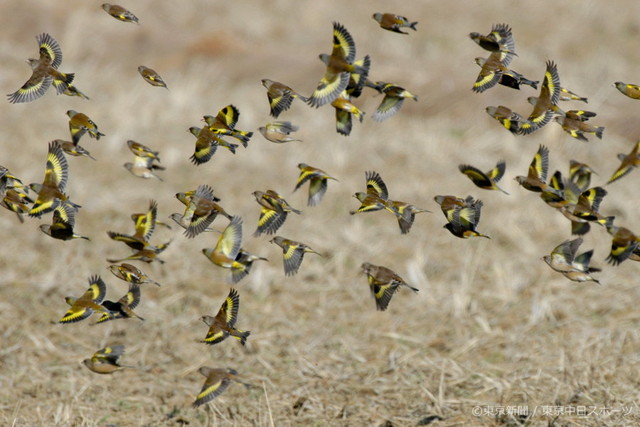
x=492, y=329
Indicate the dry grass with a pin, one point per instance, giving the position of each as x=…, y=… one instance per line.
x=491, y=325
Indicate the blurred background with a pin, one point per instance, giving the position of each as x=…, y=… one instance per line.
x=491, y=325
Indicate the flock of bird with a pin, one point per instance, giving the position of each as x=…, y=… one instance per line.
x=344, y=80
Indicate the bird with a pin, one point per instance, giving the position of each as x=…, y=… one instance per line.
x=506, y=76
x=624, y=242
x=279, y=132
x=131, y=274
x=246, y=259
x=376, y=197
x=73, y=149
x=79, y=124
x=580, y=174
x=227, y=248
x=151, y=76
x=405, y=213
x=486, y=180
x=394, y=97
x=464, y=221
x=567, y=95
x=280, y=96
x=537, y=175
x=292, y=253
x=509, y=119
x=549, y=97
x=17, y=202
x=123, y=308
x=344, y=110
x=120, y=13
x=88, y=303
x=224, y=123
x=628, y=89
x=317, y=182
x=44, y=72
x=563, y=259
x=218, y=380
x=628, y=163
x=500, y=39
x=394, y=23
x=146, y=161
x=51, y=190
x=574, y=122
x=201, y=209
x=339, y=66
x=62, y=224
x=106, y=360
x=448, y=204
x=180, y=220
x=141, y=150
x=145, y=225
x=273, y=211
x=207, y=143
x=383, y=283
x=222, y=325
x=585, y=210
x=147, y=254
x=71, y=90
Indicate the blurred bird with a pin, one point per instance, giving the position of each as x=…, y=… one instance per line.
x=580, y=174
x=586, y=210
x=549, y=97
x=279, y=132
x=563, y=259
x=151, y=76
x=448, y=204
x=201, y=209
x=218, y=380
x=376, y=197
x=120, y=13
x=146, y=161
x=383, y=283
x=227, y=249
x=71, y=90
x=273, y=212
x=464, y=221
x=292, y=254
x=491, y=71
x=567, y=95
x=207, y=143
x=405, y=213
x=339, y=66
x=145, y=225
x=222, y=325
x=63, y=223
x=141, y=150
x=487, y=180
x=628, y=89
x=317, y=182
x=224, y=123
x=44, y=72
x=246, y=259
x=574, y=123
x=106, y=360
x=84, y=306
x=500, y=39
x=16, y=202
x=623, y=244
x=131, y=274
x=280, y=96
x=395, y=23
x=147, y=254
x=629, y=162
x=394, y=97
x=123, y=308
x=180, y=220
x=344, y=109
x=51, y=191
x=509, y=119
x=537, y=176
x=73, y=149
x=79, y=124
x=507, y=77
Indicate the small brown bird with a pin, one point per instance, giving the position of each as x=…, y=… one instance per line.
x=201, y=209
x=376, y=197
x=567, y=95
x=488, y=180
x=74, y=91
x=624, y=243
x=506, y=76
x=64, y=218
x=73, y=149
x=448, y=204
x=628, y=89
x=147, y=254
x=344, y=110
x=151, y=76
x=549, y=97
x=224, y=123
x=44, y=72
x=88, y=303
x=383, y=283
x=629, y=162
x=537, y=176
x=464, y=221
x=131, y=274
x=120, y=13
x=509, y=119
x=146, y=161
x=580, y=174
x=406, y=214
x=586, y=210
x=79, y=124
x=500, y=39
x=279, y=132
x=317, y=182
x=394, y=23
x=292, y=254
x=273, y=211
x=222, y=325
x=106, y=360
x=145, y=225
x=563, y=259
x=574, y=123
x=207, y=143
x=394, y=97
x=280, y=96
x=492, y=70
x=227, y=249
x=218, y=380
x=123, y=308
